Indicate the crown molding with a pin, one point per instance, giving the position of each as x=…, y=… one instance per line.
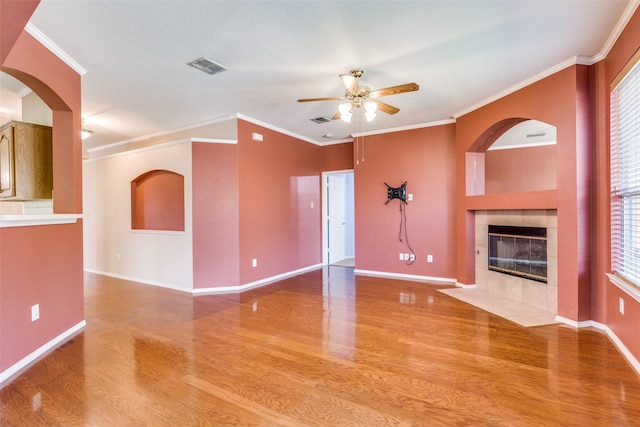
x=617, y=30
x=576, y=60
x=336, y=142
x=167, y=132
x=137, y=150
x=403, y=128
x=544, y=74
x=276, y=129
x=54, y=48
x=24, y=92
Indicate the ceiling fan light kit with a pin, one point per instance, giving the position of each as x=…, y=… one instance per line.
x=362, y=96
x=346, y=111
x=370, y=108
x=86, y=133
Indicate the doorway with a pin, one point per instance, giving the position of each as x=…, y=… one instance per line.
x=338, y=219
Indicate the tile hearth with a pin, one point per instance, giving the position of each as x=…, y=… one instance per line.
x=523, y=315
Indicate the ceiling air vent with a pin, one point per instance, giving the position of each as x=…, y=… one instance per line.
x=208, y=66
x=320, y=120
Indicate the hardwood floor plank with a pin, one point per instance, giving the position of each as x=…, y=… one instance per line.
x=325, y=348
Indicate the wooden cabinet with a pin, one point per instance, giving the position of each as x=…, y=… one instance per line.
x=26, y=166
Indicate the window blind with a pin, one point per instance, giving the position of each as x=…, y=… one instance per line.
x=625, y=176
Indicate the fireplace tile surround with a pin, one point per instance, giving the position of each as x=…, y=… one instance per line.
x=518, y=289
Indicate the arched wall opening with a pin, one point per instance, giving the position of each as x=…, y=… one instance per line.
x=513, y=155
x=58, y=86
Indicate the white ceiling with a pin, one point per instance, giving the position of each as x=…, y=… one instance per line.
x=461, y=53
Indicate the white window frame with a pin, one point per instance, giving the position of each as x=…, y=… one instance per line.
x=625, y=177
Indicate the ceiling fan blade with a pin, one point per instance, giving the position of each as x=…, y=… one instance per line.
x=330, y=98
x=350, y=82
x=393, y=90
x=386, y=108
x=336, y=116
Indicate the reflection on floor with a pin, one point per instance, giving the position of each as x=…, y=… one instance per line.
x=324, y=348
x=523, y=315
x=347, y=262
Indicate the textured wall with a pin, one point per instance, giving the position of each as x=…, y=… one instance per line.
x=425, y=158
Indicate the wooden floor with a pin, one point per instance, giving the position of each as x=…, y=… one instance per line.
x=323, y=348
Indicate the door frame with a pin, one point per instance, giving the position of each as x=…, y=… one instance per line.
x=325, y=215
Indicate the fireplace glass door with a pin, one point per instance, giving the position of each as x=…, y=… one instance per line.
x=519, y=251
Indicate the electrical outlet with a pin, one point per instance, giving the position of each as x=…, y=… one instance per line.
x=254, y=262
x=429, y=258
x=118, y=257
x=621, y=306
x=412, y=257
x=35, y=312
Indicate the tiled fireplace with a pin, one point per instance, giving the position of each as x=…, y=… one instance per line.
x=521, y=290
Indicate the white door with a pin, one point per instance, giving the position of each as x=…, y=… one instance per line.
x=336, y=217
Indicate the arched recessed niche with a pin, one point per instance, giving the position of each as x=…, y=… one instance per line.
x=514, y=155
x=157, y=201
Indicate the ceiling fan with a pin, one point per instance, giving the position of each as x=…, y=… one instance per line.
x=362, y=96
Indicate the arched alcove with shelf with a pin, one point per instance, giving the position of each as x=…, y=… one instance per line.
x=515, y=155
x=157, y=201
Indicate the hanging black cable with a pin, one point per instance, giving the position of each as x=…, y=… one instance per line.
x=403, y=225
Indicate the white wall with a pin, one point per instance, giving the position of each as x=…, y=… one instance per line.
x=34, y=110
x=161, y=258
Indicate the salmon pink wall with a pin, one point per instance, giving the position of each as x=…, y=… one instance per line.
x=33, y=269
x=215, y=215
x=561, y=100
x=625, y=326
x=425, y=158
x=279, y=192
x=521, y=169
x=337, y=157
x=14, y=16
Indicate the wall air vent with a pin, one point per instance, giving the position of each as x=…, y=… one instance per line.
x=536, y=135
x=208, y=66
x=320, y=120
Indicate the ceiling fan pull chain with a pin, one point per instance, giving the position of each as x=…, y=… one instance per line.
x=357, y=154
x=363, y=125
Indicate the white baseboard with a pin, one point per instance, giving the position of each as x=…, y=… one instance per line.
x=465, y=286
x=623, y=349
x=580, y=324
x=213, y=290
x=138, y=280
x=413, y=277
x=255, y=284
x=612, y=336
x=33, y=356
